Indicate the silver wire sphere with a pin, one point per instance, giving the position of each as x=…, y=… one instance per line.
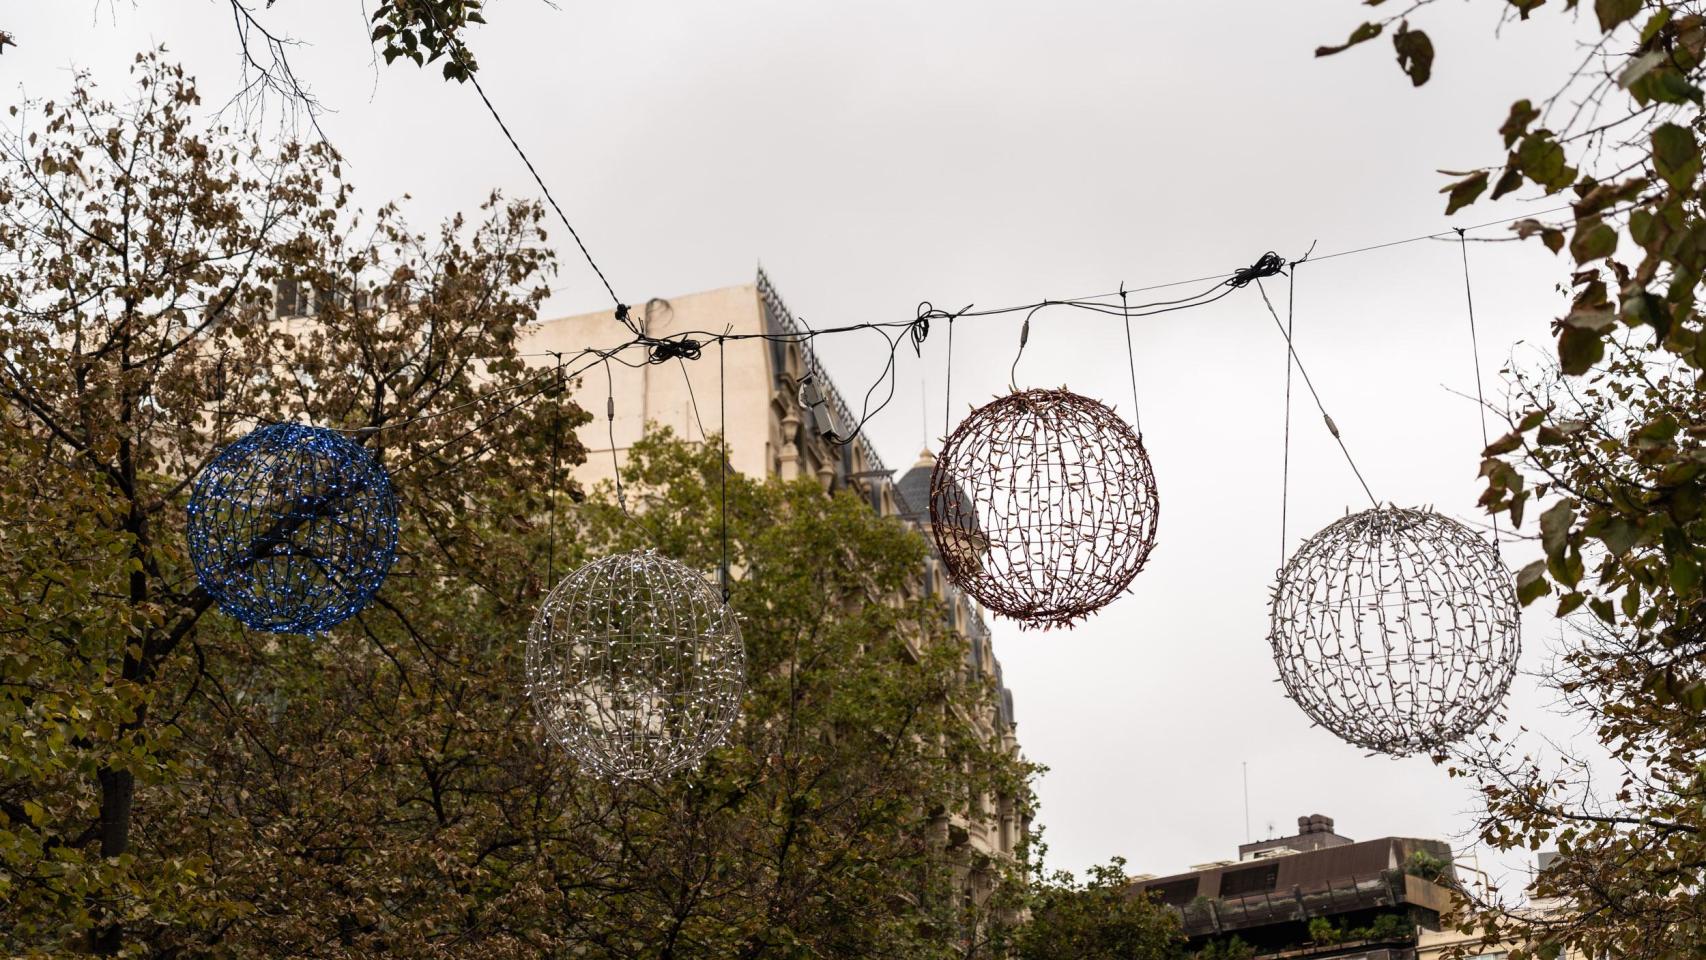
x=636, y=667
x=1396, y=629
x=1043, y=506
x=292, y=529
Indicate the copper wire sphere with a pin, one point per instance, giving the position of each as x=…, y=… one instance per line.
x=636, y=667
x=1043, y=506
x=1396, y=629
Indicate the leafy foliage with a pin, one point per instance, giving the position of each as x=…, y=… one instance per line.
x=426, y=31
x=1096, y=919
x=1423, y=864
x=1386, y=926
x=171, y=784
x=1225, y=948
x=143, y=252
x=1605, y=458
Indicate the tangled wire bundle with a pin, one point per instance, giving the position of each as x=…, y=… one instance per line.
x=1396, y=629
x=636, y=667
x=1043, y=506
x=292, y=528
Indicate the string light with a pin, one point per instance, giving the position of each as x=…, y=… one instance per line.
x=1396, y=629
x=636, y=667
x=292, y=529
x=1043, y=506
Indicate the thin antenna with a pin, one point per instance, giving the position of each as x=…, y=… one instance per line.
x=1247, y=837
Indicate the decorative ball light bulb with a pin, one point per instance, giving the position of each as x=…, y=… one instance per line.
x=292, y=529
x=1396, y=629
x=1043, y=506
x=636, y=667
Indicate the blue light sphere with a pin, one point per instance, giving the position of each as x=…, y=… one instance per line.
x=292, y=528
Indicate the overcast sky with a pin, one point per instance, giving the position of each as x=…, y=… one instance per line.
x=875, y=154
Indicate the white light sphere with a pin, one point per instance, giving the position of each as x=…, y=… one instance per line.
x=636, y=666
x=1396, y=629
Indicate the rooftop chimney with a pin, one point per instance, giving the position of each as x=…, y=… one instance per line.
x=1314, y=823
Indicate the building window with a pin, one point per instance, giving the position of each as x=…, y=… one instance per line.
x=1176, y=893
x=1238, y=883
x=289, y=301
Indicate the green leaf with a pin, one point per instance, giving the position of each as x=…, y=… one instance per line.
x=1594, y=239
x=1597, y=319
x=1522, y=114
x=1684, y=572
x=1675, y=88
x=1465, y=191
x=1619, y=536
x=1655, y=24
x=1645, y=307
x=1579, y=349
x=1362, y=34
x=1555, y=527
x=1415, y=53
x=1503, y=445
x=1531, y=582
x=1542, y=160
x=1656, y=433
x=1676, y=156
x=1612, y=13
x=1509, y=181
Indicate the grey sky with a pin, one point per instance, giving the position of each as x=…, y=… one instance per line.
x=876, y=154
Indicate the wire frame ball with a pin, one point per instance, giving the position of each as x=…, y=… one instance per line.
x=1043, y=506
x=1396, y=629
x=292, y=528
x=636, y=667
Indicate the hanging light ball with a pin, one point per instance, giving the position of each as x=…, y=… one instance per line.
x=292, y=528
x=1396, y=629
x=636, y=667
x=1043, y=506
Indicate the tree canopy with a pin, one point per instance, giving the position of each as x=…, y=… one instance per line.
x=173, y=784
x=1604, y=460
x=1097, y=918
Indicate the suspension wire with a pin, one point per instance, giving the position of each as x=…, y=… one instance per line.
x=1131, y=361
x=948, y=385
x=691, y=399
x=1475, y=351
x=1024, y=336
x=556, y=443
x=723, y=466
x=1285, y=450
x=687, y=345
x=1332, y=427
x=610, y=420
x=458, y=52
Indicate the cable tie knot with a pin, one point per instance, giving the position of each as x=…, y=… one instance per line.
x=685, y=348
x=1270, y=264
x=919, y=329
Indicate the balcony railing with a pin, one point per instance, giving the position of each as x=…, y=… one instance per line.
x=1389, y=888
